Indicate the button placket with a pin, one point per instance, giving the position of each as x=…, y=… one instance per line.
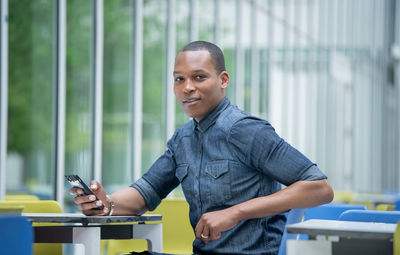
x=198, y=171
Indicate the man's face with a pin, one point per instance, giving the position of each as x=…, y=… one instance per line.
x=197, y=86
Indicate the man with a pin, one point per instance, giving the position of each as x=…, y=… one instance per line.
x=230, y=164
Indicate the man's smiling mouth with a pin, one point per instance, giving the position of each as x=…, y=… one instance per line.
x=190, y=100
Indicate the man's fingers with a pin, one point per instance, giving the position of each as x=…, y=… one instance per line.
x=199, y=229
x=88, y=203
x=75, y=191
x=205, y=234
x=94, y=185
x=214, y=235
x=91, y=211
x=91, y=205
x=84, y=199
x=202, y=231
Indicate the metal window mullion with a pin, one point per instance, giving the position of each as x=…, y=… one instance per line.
x=194, y=21
x=60, y=99
x=297, y=100
x=269, y=59
x=348, y=118
x=255, y=70
x=390, y=164
x=239, y=57
x=285, y=78
x=321, y=88
x=397, y=85
x=3, y=94
x=169, y=92
x=255, y=60
x=97, y=63
x=137, y=60
x=217, y=22
x=375, y=105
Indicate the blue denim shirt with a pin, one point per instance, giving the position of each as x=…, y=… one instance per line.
x=229, y=157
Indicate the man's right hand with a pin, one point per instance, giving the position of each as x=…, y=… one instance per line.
x=88, y=204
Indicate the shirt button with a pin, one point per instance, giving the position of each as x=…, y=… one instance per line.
x=197, y=177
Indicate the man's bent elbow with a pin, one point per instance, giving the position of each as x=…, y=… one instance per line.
x=326, y=192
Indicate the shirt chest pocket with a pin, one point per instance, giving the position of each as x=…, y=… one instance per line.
x=218, y=182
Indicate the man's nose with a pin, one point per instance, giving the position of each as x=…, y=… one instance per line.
x=189, y=87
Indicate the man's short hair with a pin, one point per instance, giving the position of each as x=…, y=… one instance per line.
x=215, y=52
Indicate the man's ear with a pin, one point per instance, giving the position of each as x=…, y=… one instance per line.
x=224, y=79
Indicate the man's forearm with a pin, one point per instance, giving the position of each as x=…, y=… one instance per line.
x=128, y=201
x=301, y=194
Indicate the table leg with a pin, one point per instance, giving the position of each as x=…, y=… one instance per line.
x=89, y=237
x=152, y=233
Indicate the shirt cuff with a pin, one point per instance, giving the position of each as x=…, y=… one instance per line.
x=148, y=193
x=313, y=173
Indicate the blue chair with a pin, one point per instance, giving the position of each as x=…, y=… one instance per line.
x=293, y=216
x=371, y=216
x=16, y=235
x=397, y=203
x=330, y=211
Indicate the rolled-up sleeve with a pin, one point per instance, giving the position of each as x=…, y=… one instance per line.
x=257, y=144
x=159, y=180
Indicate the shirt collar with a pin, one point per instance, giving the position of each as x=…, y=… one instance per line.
x=212, y=116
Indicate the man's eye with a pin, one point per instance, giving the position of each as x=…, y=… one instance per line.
x=200, y=77
x=178, y=79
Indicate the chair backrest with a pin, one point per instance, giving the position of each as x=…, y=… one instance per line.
x=16, y=235
x=384, y=207
x=371, y=216
x=343, y=196
x=293, y=216
x=39, y=206
x=14, y=197
x=396, y=241
x=178, y=234
x=330, y=211
x=34, y=206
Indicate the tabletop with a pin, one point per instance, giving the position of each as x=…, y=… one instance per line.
x=363, y=230
x=81, y=218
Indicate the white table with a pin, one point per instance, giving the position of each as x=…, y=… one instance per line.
x=89, y=230
x=342, y=237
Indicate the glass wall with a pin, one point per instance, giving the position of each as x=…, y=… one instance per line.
x=30, y=99
x=117, y=115
x=79, y=94
x=154, y=52
x=322, y=72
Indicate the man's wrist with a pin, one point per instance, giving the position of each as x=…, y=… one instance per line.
x=111, y=205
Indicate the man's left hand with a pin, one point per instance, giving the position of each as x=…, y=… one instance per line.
x=211, y=224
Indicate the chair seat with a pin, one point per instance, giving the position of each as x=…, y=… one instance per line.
x=16, y=235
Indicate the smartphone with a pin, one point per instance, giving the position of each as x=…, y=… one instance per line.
x=77, y=182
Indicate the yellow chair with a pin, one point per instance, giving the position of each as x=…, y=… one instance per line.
x=18, y=197
x=178, y=234
x=39, y=206
x=11, y=209
x=384, y=207
x=342, y=196
x=396, y=241
x=367, y=204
